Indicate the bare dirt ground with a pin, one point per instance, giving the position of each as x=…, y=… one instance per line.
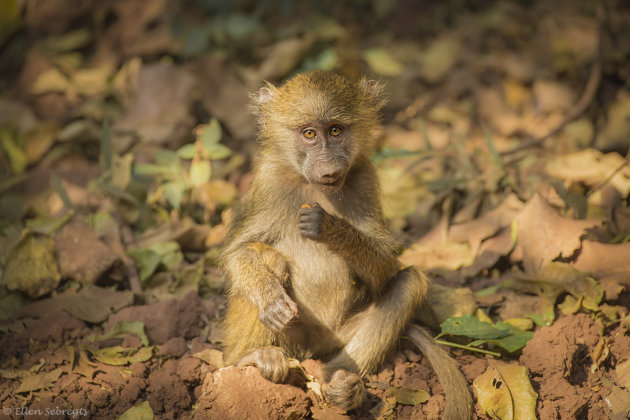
x=177, y=383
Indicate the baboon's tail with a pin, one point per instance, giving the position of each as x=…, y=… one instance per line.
x=458, y=398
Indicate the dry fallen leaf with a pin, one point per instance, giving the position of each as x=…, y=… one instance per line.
x=447, y=255
x=617, y=128
x=623, y=373
x=490, y=251
x=408, y=396
x=439, y=58
x=556, y=278
x=160, y=115
x=504, y=392
x=225, y=97
x=444, y=302
x=618, y=399
x=604, y=260
x=476, y=230
x=31, y=266
x=283, y=56
x=551, y=95
x=93, y=304
x=39, y=381
x=593, y=168
x=543, y=235
x=496, y=112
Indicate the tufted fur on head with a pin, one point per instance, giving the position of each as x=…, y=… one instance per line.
x=322, y=96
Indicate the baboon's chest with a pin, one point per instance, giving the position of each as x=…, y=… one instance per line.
x=322, y=283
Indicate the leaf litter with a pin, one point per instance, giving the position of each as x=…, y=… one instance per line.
x=125, y=143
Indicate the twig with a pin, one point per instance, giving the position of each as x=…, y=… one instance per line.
x=592, y=84
x=590, y=89
x=461, y=346
x=132, y=271
x=607, y=180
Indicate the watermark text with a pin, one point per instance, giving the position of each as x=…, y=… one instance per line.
x=72, y=413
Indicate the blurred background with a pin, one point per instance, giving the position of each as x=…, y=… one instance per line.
x=135, y=114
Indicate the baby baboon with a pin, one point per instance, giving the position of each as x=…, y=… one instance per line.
x=311, y=265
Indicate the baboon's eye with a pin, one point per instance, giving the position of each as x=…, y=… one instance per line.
x=309, y=133
x=335, y=131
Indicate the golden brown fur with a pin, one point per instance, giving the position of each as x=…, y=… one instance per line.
x=321, y=280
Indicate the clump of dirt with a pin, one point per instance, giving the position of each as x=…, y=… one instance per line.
x=232, y=392
x=559, y=359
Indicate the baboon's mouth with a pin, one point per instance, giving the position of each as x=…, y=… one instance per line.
x=330, y=186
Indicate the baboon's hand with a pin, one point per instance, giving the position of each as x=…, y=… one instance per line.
x=271, y=361
x=311, y=221
x=278, y=310
x=345, y=390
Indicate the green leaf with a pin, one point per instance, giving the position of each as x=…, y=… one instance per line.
x=469, y=326
x=68, y=42
x=167, y=158
x=106, y=146
x=124, y=328
x=187, y=151
x=10, y=12
x=47, y=225
x=200, y=172
x=209, y=134
x=511, y=343
x=140, y=411
x=240, y=25
x=196, y=41
x=547, y=315
x=62, y=192
x=169, y=252
x=218, y=151
x=121, y=171
x=146, y=260
x=491, y=147
x=149, y=259
x=17, y=157
x=488, y=290
x=174, y=193
x=120, y=356
x=325, y=61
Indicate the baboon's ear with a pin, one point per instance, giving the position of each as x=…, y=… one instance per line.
x=266, y=93
x=259, y=99
x=373, y=91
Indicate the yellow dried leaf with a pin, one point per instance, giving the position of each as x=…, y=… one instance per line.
x=382, y=62
x=504, y=392
x=39, y=381
x=593, y=168
x=212, y=357
x=439, y=58
x=52, y=80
